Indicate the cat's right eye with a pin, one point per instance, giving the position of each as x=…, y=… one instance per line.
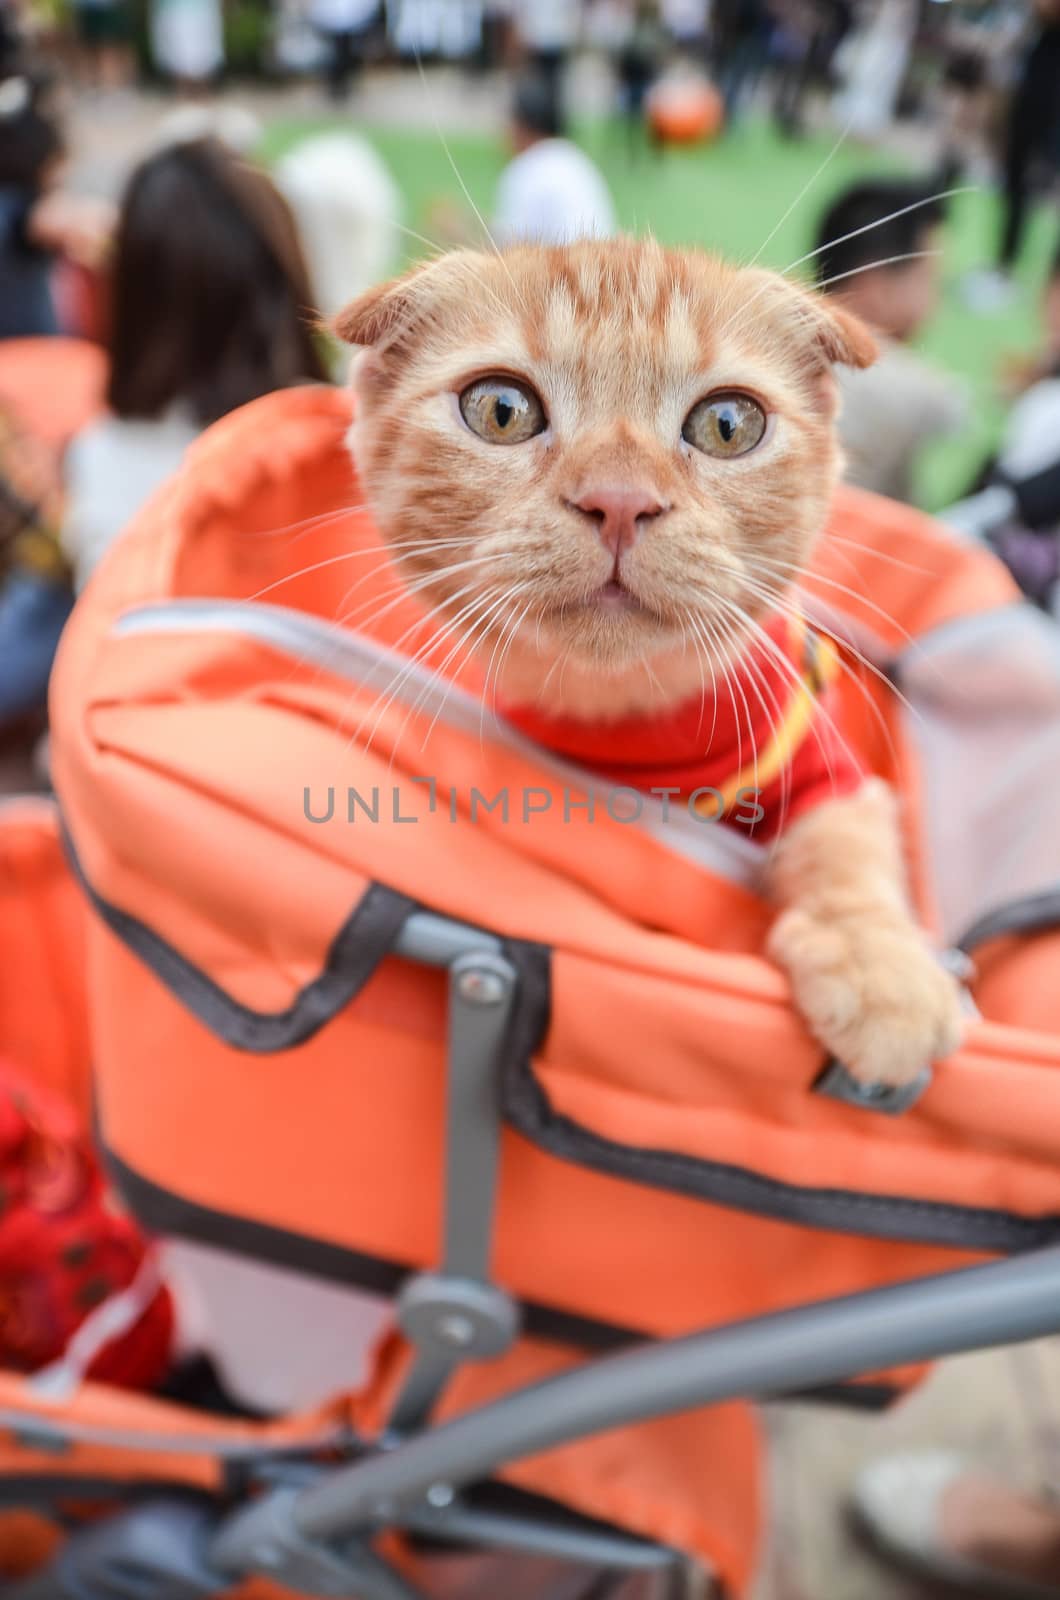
x=725, y=425
x=502, y=411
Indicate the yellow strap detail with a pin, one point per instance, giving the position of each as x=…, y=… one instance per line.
x=820, y=664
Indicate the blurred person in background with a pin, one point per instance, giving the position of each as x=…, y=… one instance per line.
x=963, y=112
x=187, y=42
x=805, y=43
x=104, y=38
x=211, y=302
x=935, y=1515
x=1032, y=144
x=688, y=24
x=550, y=192
x=979, y=42
x=740, y=35
x=35, y=595
x=39, y=223
x=493, y=39
x=210, y=299
x=10, y=38
x=346, y=26
x=892, y=409
x=874, y=61
x=638, y=60
x=1016, y=508
x=546, y=33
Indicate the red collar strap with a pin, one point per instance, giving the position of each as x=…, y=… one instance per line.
x=763, y=737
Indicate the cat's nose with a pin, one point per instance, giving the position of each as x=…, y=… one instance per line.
x=619, y=511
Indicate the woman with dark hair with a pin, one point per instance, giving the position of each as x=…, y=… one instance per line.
x=211, y=307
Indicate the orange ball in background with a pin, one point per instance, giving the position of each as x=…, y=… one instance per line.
x=685, y=111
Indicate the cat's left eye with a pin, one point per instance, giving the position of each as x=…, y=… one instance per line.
x=725, y=425
x=502, y=411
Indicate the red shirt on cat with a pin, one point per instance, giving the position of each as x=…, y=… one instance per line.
x=766, y=735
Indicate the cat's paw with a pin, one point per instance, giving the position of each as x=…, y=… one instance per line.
x=874, y=996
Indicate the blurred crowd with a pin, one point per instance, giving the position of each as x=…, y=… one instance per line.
x=873, y=59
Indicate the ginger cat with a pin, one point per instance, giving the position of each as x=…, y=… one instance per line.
x=625, y=454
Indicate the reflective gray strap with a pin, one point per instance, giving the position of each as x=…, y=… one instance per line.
x=1036, y=913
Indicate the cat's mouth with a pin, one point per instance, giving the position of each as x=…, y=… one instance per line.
x=609, y=607
x=613, y=598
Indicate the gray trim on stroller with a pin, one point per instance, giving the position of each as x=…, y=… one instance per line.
x=313, y=1529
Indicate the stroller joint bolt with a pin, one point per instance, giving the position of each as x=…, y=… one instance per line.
x=481, y=987
x=457, y=1316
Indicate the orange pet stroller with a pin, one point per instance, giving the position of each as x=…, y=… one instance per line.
x=390, y=1009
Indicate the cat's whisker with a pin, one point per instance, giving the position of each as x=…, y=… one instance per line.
x=646, y=667
x=787, y=666
x=300, y=657
x=720, y=639
x=436, y=675
x=776, y=721
x=474, y=637
x=421, y=238
x=788, y=669
x=735, y=679
x=884, y=261
x=409, y=589
x=685, y=639
x=381, y=552
x=785, y=601
x=879, y=555
x=508, y=647
x=708, y=656
x=417, y=653
x=513, y=632
x=306, y=525
x=303, y=572
x=464, y=188
x=562, y=657
x=437, y=641
x=498, y=642
x=766, y=286
x=393, y=688
x=793, y=572
x=866, y=266
x=427, y=545
x=803, y=192
x=880, y=222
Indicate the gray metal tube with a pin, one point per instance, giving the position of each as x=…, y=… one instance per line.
x=438, y=941
x=1001, y=1303
x=494, y=1530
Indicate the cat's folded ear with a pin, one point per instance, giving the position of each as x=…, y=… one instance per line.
x=386, y=312
x=842, y=337
x=380, y=312
x=831, y=336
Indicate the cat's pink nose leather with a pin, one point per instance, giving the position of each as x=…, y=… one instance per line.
x=618, y=512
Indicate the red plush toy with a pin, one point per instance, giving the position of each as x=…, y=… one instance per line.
x=65, y=1250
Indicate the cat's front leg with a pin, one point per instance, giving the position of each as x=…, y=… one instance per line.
x=862, y=971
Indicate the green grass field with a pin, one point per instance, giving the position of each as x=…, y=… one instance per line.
x=729, y=196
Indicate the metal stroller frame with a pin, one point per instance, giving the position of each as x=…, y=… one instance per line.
x=313, y=1529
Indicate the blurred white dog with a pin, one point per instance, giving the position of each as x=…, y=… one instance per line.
x=348, y=211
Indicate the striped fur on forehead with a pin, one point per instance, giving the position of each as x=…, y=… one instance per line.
x=637, y=318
